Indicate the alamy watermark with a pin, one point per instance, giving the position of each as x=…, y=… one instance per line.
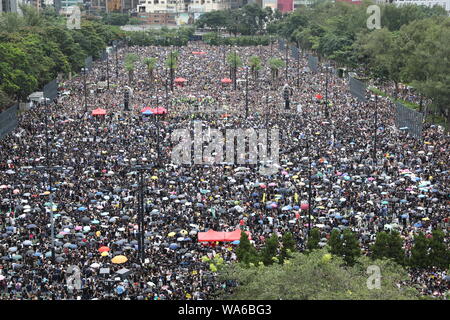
x=374, y=280
x=242, y=146
x=374, y=20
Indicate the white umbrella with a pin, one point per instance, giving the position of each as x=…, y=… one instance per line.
x=95, y=265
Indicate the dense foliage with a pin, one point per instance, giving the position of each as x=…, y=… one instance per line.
x=411, y=47
x=36, y=48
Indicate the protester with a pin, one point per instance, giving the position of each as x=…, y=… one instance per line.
x=94, y=195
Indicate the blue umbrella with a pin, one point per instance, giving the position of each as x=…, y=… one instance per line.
x=235, y=242
x=173, y=246
x=256, y=205
x=99, y=193
x=338, y=216
x=120, y=289
x=73, y=246
x=173, y=196
x=200, y=205
x=147, y=113
x=255, y=194
x=404, y=216
x=296, y=207
x=82, y=209
x=344, y=221
x=37, y=254
x=286, y=208
x=418, y=225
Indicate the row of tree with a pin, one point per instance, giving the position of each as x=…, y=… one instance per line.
x=36, y=47
x=251, y=19
x=426, y=252
x=279, y=271
x=215, y=39
x=162, y=37
x=411, y=47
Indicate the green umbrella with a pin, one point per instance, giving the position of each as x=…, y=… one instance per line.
x=17, y=257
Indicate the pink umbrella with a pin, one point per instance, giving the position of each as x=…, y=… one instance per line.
x=371, y=179
x=262, y=186
x=77, y=228
x=16, y=191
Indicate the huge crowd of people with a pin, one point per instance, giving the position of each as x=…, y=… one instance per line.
x=89, y=163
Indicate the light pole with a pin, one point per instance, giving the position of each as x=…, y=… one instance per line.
x=287, y=60
x=246, y=92
x=375, y=131
x=85, y=89
x=141, y=244
x=107, y=68
x=327, y=67
x=117, y=62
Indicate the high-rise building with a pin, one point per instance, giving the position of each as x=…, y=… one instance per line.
x=10, y=6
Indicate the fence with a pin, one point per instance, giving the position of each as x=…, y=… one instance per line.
x=88, y=63
x=51, y=90
x=295, y=52
x=357, y=88
x=8, y=120
x=281, y=44
x=408, y=119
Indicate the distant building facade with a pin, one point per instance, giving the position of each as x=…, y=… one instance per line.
x=285, y=5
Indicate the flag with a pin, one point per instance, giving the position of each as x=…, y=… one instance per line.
x=296, y=197
x=264, y=197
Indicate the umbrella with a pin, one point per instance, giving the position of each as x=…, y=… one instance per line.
x=119, y=259
x=95, y=265
x=31, y=226
x=82, y=209
x=174, y=246
x=27, y=243
x=103, y=249
x=17, y=257
x=59, y=259
x=99, y=112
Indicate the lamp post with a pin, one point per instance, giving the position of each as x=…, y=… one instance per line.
x=85, y=89
x=287, y=60
x=327, y=67
x=246, y=92
x=141, y=234
x=117, y=62
x=235, y=69
x=107, y=68
x=375, y=131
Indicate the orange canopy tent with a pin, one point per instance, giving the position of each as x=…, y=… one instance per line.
x=212, y=236
x=99, y=112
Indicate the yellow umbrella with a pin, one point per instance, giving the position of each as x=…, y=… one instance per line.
x=183, y=232
x=425, y=219
x=119, y=259
x=154, y=178
x=47, y=193
x=295, y=177
x=105, y=254
x=171, y=234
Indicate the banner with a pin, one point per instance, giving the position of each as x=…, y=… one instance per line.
x=357, y=89
x=281, y=44
x=409, y=120
x=8, y=120
x=295, y=52
x=313, y=63
x=51, y=90
x=88, y=63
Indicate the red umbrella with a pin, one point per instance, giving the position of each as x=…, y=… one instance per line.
x=318, y=96
x=180, y=80
x=159, y=110
x=198, y=52
x=99, y=112
x=103, y=249
x=226, y=80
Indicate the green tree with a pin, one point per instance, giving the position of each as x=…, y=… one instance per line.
x=313, y=240
x=130, y=65
x=275, y=64
x=439, y=254
x=270, y=250
x=288, y=246
x=388, y=245
x=235, y=62
x=314, y=277
x=419, y=252
x=151, y=64
x=246, y=253
x=336, y=243
x=171, y=63
x=351, y=249
x=255, y=65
